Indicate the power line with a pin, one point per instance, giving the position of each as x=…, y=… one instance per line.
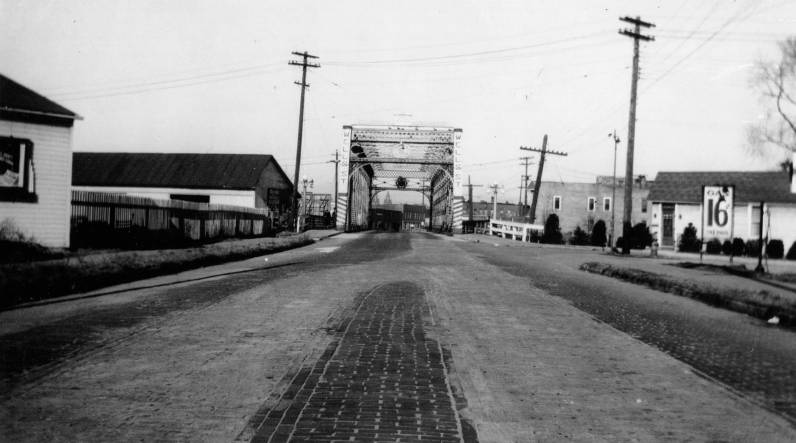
x=135, y=88
x=463, y=55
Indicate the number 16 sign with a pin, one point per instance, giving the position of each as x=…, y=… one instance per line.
x=718, y=203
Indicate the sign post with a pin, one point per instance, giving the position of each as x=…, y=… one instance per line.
x=718, y=213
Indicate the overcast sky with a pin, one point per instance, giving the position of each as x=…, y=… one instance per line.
x=210, y=76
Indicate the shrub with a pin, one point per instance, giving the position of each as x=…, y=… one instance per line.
x=598, y=237
x=726, y=247
x=775, y=249
x=552, y=230
x=713, y=246
x=792, y=252
x=688, y=241
x=640, y=237
x=579, y=237
x=738, y=247
x=752, y=248
x=17, y=247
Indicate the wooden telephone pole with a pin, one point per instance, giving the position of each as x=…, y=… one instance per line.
x=636, y=35
x=538, y=183
x=470, y=187
x=336, y=162
x=304, y=85
x=524, y=183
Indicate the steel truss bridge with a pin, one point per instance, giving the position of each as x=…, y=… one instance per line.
x=403, y=158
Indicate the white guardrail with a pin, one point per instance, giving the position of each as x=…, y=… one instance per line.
x=513, y=230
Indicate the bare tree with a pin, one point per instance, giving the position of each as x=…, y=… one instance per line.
x=776, y=80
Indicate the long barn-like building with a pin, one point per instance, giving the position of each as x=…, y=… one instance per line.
x=248, y=180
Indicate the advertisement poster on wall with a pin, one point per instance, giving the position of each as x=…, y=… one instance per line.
x=12, y=155
x=718, y=204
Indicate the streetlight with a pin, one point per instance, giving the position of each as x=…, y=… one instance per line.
x=305, y=182
x=613, y=190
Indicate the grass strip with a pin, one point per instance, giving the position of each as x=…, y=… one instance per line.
x=33, y=281
x=761, y=304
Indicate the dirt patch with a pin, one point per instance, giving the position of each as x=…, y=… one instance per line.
x=27, y=282
x=761, y=304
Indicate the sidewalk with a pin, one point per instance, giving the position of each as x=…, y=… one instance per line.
x=665, y=265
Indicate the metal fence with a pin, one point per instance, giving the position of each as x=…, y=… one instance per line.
x=99, y=217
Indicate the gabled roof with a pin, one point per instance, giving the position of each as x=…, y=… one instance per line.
x=197, y=171
x=750, y=186
x=19, y=99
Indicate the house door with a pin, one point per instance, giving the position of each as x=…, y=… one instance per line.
x=667, y=212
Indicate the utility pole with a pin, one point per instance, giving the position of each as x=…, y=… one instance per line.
x=631, y=125
x=304, y=85
x=495, y=188
x=336, y=162
x=526, y=162
x=613, y=192
x=538, y=183
x=470, y=187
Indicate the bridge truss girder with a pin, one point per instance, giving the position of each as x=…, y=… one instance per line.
x=373, y=157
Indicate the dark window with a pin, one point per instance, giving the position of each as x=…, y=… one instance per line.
x=557, y=203
x=17, y=173
x=191, y=198
x=643, y=205
x=591, y=204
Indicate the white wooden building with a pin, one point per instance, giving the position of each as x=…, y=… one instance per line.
x=35, y=164
x=676, y=201
x=248, y=180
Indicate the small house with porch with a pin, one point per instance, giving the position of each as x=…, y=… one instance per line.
x=676, y=201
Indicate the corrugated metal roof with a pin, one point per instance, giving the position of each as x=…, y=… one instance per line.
x=206, y=171
x=17, y=98
x=686, y=187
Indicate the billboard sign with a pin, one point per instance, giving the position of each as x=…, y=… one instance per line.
x=718, y=204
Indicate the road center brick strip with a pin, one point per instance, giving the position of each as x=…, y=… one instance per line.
x=383, y=380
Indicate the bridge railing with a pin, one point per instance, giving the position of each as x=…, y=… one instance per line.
x=515, y=230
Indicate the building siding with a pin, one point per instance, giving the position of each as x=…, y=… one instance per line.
x=782, y=221
x=217, y=196
x=47, y=220
x=271, y=178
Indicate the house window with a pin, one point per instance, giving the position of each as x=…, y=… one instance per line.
x=607, y=204
x=591, y=204
x=643, y=205
x=17, y=173
x=557, y=203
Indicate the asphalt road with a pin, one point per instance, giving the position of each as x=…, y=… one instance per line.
x=379, y=336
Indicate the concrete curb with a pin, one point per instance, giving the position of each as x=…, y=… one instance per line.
x=760, y=304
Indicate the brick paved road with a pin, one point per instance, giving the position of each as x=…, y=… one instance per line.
x=248, y=353
x=384, y=380
x=744, y=353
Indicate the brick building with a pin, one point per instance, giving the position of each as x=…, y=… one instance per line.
x=582, y=204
